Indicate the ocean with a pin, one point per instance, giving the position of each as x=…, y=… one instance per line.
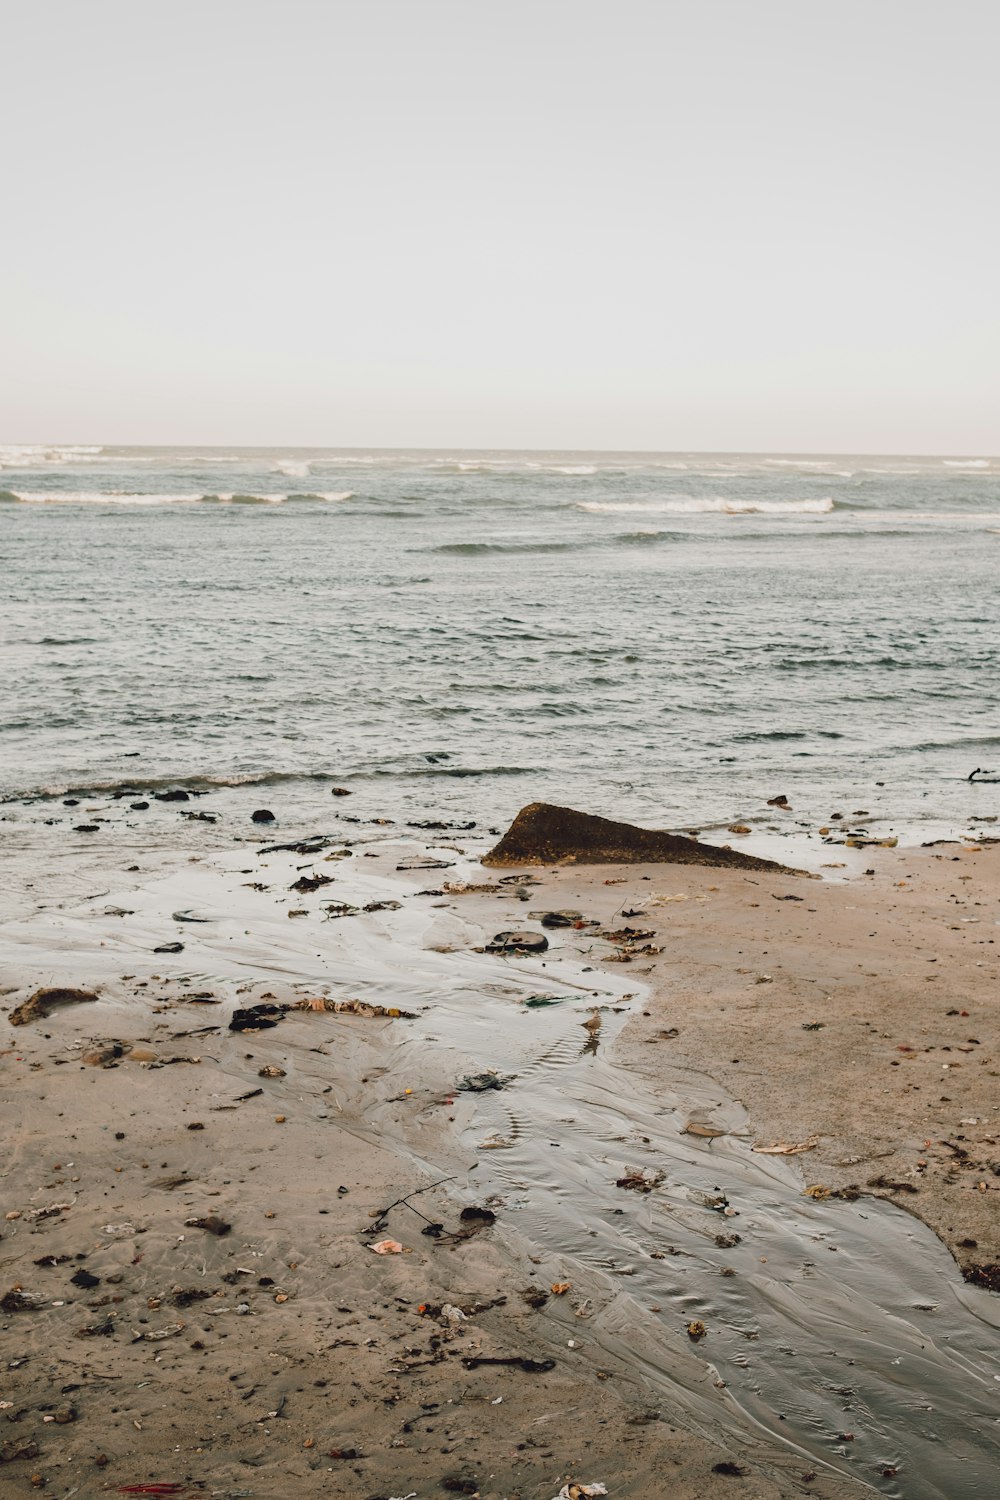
x=669, y=638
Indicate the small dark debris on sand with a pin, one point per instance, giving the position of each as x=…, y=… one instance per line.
x=987, y=1275
x=545, y=834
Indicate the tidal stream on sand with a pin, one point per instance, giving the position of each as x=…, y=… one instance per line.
x=841, y=1329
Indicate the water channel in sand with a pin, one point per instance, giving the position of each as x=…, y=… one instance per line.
x=840, y=1329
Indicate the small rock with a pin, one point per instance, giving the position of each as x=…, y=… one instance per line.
x=262, y=815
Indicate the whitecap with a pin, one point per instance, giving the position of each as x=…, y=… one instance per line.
x=683, y=505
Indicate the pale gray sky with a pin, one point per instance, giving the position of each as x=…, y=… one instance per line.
x=721, y=224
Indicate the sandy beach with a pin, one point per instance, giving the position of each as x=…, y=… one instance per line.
x=688, y=1192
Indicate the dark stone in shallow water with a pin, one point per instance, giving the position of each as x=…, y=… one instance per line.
x=177, y=794
x=518, y=942
x=262, y=815
x=545, y=834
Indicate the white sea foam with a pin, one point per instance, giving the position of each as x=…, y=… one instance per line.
x=967, y=463
x=295, y=468
x=127, y=497
x=685, y=505
x=30, y=455
x=97, y=497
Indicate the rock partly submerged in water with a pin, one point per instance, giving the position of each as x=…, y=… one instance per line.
x=545, y=834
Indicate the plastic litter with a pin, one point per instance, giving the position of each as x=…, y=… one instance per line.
x=580, y=1491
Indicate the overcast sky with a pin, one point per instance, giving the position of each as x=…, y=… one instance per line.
x=717, y=224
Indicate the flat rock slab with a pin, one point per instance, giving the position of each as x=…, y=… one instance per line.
x=545, y=834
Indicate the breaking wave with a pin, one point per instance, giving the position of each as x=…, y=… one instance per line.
x=686, y=505
x=122, y=497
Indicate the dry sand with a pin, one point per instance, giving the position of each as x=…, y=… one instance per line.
x=283, y=1357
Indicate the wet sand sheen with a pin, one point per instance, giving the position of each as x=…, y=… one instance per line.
x=776, y=1363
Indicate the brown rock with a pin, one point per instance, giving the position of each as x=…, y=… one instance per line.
x=44, y=1001
x=544, y=834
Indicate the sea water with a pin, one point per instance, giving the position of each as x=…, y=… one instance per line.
x=669, y=638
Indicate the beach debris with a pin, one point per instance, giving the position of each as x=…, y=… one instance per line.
x=560, y=1288
x=387, y=1247
x=262, y=815
x=481, y=1083
x=106, y=1056
x=104, y=1329
x=310, y=882
x=154, y=1335
x=470, y=888
x=517, y=1361
x=16, y=1448
x=84, y=1279
x=738, y=828
x=169, y=948
x=373, y=906
x=475, y=1217
x=166, y=1488
x=335, y=909
x=696, y=1330
x=311, y=845
x=788, y=1148
x=518, y=942
x=553, y=919
x=495, y=1142
x=638, y=1181
x=50, y=1211
x=44, y=1001
x=175, y=794
x=211, y=1223
x=984, y=1273
x=627, y=936
x=707, y=1132
x=859, y=841
x=257, y=1017
x=424, y=862
x=574, y=1491
x=727, y=1467
x=535, y=1002
x=887, y=1184
x=459, y=1484
x=18, y=1300
x=270, y=1070
x=364, y=1008
x=546, y=834
x=818, y=1191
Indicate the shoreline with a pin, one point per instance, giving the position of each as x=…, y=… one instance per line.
x=393, y=1135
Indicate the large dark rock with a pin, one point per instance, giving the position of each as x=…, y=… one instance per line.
x=544, y=834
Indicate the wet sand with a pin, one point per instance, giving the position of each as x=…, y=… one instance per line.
x=283, y=1355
